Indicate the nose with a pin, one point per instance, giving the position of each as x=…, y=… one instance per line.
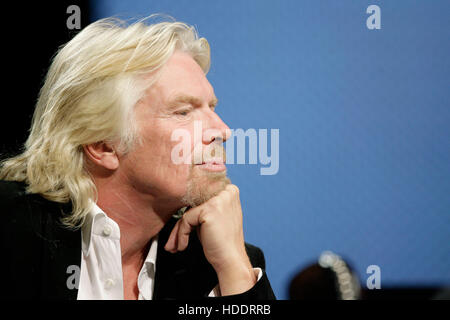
x=216, y=131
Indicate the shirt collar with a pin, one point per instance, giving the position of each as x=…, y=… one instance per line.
x=146, y=278
x=150, y=260
x=95, y=215
x=88, y=226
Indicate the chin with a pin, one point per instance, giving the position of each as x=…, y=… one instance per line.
x=203, y=186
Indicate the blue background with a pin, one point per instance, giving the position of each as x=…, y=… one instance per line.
x=364, y=121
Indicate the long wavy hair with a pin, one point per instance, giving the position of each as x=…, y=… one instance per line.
x=88, y=96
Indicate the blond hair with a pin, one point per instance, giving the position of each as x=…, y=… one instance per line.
x=88, y=96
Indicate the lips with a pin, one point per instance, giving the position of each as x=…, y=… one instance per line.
x=213, y=161
x=213, y=165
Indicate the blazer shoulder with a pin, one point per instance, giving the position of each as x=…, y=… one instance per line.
x=35, y=245
x=11, y=190
x=22, y=211
x=14, y=201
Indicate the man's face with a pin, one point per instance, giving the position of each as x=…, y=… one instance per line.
x=181, y=99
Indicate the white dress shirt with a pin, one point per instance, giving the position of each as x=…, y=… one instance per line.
x=101, y=275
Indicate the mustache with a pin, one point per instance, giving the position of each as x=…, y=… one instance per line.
x=213, y=152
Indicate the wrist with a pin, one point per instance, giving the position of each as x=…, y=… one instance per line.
x=236, y=278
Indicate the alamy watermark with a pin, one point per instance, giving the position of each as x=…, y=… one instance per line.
x=74, y=20
x=258, y=147
x=374, y=20
x=374, y=280
x=73, y=280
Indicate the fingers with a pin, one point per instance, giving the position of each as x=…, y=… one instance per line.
x=212, y=211
x=187, y=223
x=179, y=237
x=171, y=243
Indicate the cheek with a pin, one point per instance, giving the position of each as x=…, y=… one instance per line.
x=182, y=146
x=164, y=153
x=182, y=172
x=174, y=180
x=160, y=144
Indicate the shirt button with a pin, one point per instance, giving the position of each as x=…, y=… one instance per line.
x=109, y=283
x=107, y=230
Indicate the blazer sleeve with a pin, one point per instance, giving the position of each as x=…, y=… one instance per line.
x=262, y=290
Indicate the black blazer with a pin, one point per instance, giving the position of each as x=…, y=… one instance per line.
x=37, y=251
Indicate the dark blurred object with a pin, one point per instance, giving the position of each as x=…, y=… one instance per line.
x=443, y=294
x=329, y=279
x=407, y=293
x=313, y=283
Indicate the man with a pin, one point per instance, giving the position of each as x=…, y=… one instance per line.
x=88, y=207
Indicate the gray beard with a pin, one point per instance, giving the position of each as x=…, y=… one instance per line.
x=204, y=186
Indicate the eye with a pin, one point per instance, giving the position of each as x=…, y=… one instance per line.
x=183, y=112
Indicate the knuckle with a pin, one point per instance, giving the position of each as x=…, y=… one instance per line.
x=213, y=203
x=184, y=223
x=233, y=189
x=204, y=217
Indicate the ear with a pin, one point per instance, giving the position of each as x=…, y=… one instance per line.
x=102, y=154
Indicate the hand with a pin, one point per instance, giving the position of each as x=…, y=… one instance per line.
x=219, y=226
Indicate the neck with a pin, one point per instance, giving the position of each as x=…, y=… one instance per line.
x=138, y=216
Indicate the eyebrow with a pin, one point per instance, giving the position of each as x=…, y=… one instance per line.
x=191, y=100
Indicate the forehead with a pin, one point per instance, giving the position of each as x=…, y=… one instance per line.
x=182, y=76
